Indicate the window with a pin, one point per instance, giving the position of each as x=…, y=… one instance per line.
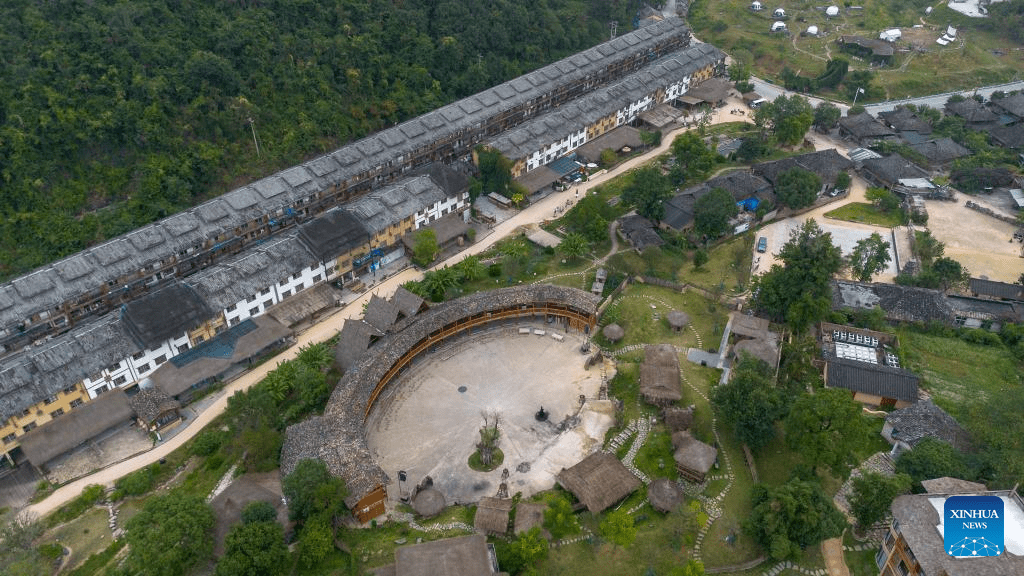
x=254, y=311
x=145, y=367
x=161, y=359
x=232, y=307
x=880, y=558
x=101, y=389
x=889, y=539
x=286, y=294
x=9, y=438
x=57, y=412
x=26, y=412
x=69, y=390
x=121, y=380
x=76, y=403
x=28, y=427
x=138, y=355
x=50, y=400
x=902, y=568
x=184, y=346
x=316, y=278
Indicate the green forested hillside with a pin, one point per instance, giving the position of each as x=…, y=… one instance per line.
x=114, y=113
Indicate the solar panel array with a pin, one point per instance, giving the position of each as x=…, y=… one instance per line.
x=856, y=352
x=892, y=360
x=854, y=338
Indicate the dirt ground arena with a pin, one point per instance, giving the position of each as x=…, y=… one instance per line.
x=429, y=423
x=979, y=242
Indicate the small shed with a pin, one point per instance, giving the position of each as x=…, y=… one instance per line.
x=812, y=30
x=664, y=495
x=778, y=26
x=678, y=419
x=613, y=332
x=693, y=458
x=598, y=481
x=528, y=515
x=832, y=11
x=779, y=13
x=492, y=515
x=154, y=409
x=678, y=320
x=756, y=6
x=428, y=502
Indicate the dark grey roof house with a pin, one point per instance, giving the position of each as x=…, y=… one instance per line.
x=900, y=303
x=975, y=114
x=679, y=209
x=1012, y=106
x=872, y=383
x=941, y=151
x=639, y=231
x=827, y=164
x=335, y=233
x=992, y=289
x=864, y=129
x=1008, y=136
x=742, y=184
x=167, y=313
x=888, y=171
x=902, y=119
x=905, y=427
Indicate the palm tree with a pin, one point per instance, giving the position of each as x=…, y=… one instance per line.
x=471, y=268
x=437, y=282
x=515, y=249
x=574, y=246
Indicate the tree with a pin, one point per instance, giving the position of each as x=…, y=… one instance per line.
x=316, y=541
x=619, y=528
x=883, y=199
x=712, y=212
x=826, y=116
x=169, y=536
x=424, y=248
x=788, y=518
x=750, y=402
x=523, y=553
x=691, y=568
x=574, y=246
x=647, y=193
x=932, y=458
x=797, y=188
x=589, y=217
x=495, y=171
x=799, y=292
x=18, y=555
x=825, y=427
x=694, y=159
x=869, y=257
x=255, y=549
x=873, y=493
x=559, y=519
x=928, y=247
x=842, y=181
x=310, y=489
x=700, y=258
x=787, y=118
x=258, y=511
x=950, y=273
x=436, y=283
x=650, y=138
x=608, y=158
x=470, y=268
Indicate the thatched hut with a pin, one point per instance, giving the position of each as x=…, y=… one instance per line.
x=659, y=375
x=492, y=515
x=428, y=502
x=766, y=350
x=528, y=515
x=693, y=458
x=613, y=332
x=664, y=494
x=154, y=409
x=678, y=319
x=598, y=481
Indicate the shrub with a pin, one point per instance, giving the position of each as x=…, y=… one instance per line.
x=136, y=483
x=258, y=511
x=89, y=496
x=207, y=442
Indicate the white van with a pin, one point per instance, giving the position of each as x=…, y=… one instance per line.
x=757, y=103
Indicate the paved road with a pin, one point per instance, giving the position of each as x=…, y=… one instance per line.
x=772, y=91
x=329, y=326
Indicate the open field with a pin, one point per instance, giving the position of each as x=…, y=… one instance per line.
x=979, y=242
x=85, y=535
x=927, y=69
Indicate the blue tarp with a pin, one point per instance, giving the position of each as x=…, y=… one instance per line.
x=565, y=165
x=749, y=204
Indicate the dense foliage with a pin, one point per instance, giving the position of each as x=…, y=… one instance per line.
x=712, y=212
x=647, y=193
x=825, y=427
x=799, y=291
x=114, y=114
x=873, y=493
x=750, y=402
x=169, y=536
x=790, y=517
x=254, y=549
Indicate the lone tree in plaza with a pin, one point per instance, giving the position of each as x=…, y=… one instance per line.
x=799, y=292
x=869, y=257
x=487, y=455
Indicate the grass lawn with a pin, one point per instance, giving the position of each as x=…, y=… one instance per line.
x=860, y=563
x=641, y=310
x=732, y=26
x=86, y=535
x=865, y=214
x=728, y=264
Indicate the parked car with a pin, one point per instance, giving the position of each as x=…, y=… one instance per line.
x=762, y=244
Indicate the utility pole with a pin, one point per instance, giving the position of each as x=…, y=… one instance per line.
x=252, y=125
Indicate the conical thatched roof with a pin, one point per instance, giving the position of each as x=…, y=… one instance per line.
x=428, y=503
x=678, y=319
x=613, y=332
x=664, y=494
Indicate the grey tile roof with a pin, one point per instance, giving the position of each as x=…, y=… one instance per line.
x=557, y=124
x=679, y=209
x=1008, y=136
x=37, y=372
x=335, y=233
x=827, y=164
x=639, y=231
x=381, y=208
x=904, y=120
x=615, y=140
x=890, y=169
x=972, y=111
x=742, y=184
x=1013, y=105
x=941, y=150
x=874, y=379
x=52, y=439
x=926, y=420
x=166, y=313
x=252, y=271
x=864, y=125
x=152, y=403
x=380, y=313
x=408, y=304
x=900, y=303
x=353, y=342
x=1005, y=290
